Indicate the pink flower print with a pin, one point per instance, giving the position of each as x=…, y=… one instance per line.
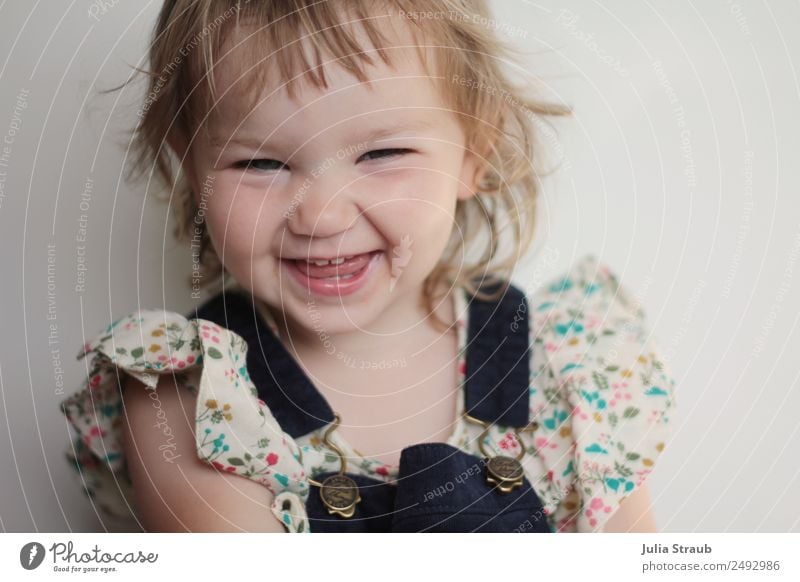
x=642, y=476
x=93, y=433
x=567, y=524
x=590, y=467
x=382, y=470
x=542, y=442
x=94, y=381
x=272, y=459
x=222, y=467
x=509, y=441
x=190, y=359
x=550, y=347
x=162, y=357
x=206, y=333
x=181, y=364
x=596, y=506
x=462, y=368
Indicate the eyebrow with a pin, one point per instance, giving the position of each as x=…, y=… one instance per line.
x=374, y=134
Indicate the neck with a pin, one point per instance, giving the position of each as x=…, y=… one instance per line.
x=403, y=328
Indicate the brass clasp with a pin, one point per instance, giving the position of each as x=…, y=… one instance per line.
x=338, y=492
x=503, y=472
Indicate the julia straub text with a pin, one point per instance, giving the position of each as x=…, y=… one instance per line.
x=675, y=549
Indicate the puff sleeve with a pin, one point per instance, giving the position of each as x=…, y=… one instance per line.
x=235, y=431
x=600, y=392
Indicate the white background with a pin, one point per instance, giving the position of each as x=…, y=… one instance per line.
x=702, y=226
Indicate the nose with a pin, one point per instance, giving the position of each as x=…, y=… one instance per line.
x=322, y=206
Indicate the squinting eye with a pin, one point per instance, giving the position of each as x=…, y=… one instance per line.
x=385, y=153
x=260, y=164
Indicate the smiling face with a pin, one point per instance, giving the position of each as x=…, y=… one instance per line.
x=347, y=170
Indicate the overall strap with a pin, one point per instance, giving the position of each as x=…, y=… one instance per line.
x=498, y=358
x=295, y=402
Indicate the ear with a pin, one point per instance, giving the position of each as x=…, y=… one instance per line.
x=475, y=166
x=473, y=169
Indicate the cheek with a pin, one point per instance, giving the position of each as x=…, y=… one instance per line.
x=417, y=213
x=238, y=221
x=431, y=209
x=426, y=195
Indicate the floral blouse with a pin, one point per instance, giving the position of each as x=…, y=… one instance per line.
x=600, y=394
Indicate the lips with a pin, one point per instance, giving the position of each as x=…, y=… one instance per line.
x=346, y=268
x=335, y=286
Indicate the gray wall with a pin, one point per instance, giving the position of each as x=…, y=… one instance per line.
x=682, y=176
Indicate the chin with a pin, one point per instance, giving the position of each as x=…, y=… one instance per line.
x=331, y=320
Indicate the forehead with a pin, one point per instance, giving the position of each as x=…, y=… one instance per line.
x=260, y=83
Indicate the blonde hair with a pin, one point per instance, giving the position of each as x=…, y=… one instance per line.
x=499, y=117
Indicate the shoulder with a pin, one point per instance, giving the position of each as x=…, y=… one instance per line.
x=235, y=431
x=147, y=342
x=585, y=313
x=601, y=392
x=587, y=288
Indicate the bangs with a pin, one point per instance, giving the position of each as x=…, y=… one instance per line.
x=275, y=45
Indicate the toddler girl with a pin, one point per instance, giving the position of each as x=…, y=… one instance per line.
x=349, y=171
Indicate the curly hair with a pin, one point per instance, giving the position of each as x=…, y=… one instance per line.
x=502, y=119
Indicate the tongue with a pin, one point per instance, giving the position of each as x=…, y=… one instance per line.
x=349, y=267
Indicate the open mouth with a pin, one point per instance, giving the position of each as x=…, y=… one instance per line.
x=337, y=277
x=341, y=268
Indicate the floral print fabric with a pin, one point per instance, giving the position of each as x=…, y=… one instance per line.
x=600, y=396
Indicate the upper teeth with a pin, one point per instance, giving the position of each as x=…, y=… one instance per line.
x=336, y=261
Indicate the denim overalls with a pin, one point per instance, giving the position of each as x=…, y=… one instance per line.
x=439, y=488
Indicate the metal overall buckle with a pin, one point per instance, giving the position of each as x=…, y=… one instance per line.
x=503, y=472
x=338, y=492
